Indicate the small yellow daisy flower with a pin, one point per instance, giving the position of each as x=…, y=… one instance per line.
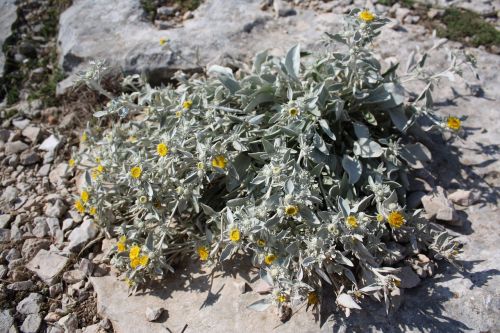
x=100, y=168
x=134, y=252
x=366, y=16
x=234, y=235
x=84, y=137
x=85, y=196
x=135, y=262
x=395, y=219
x=351, y=221
x=291, y=210
x=380, y=217
x=453, y=123
x=162, y=149
x=129, y=282
x=203, y=253
x=219, y=161
x=293, y=112
x=200, y=165
x=71, y=163
x=281, y=298
x=136, y=172
x=187, y=104
x=261, y=242
x=144, y=260
x=93, y=211
x=269, y=259
x=79, y=206
x=163, y=41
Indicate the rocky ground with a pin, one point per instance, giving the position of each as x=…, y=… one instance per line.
x=54, y=273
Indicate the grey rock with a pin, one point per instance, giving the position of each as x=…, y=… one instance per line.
x=463, y=197
x=166, y=11
x=86, y=267
x=59, y=173
x=33, y=133
x=50, y=144
x=401, y=13
x=67, y=224
x=32, y=246
x=153, y=314
x=31, y=324
x=4, y=135
x=8, y=16
x=55, y=290
x=15, y=147
x=57, y=209
x=409, y=279
x=73, y=276
x=438, y=206
x=20, y=123
x=69, y=323
x=4, y=235
x=44, y=170
x=20, y=286
x=6, y=319
x=48, y=266
x=15, y=263
x=13, y=254
x=41, y=228
x=483, y=8
x=3, y=271
x=81, y=235
x=29, y=157
x=54, y=226
x=30, y=304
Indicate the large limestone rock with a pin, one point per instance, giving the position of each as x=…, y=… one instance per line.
x=7, y=17
x=220, y=29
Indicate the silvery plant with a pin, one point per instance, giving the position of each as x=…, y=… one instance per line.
x=305, y=168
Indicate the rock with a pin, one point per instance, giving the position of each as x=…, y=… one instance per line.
x=73, y=276
x=48, y=266
x=15, y=147
x=32, y=246
x=33, y=133
x=3, y=271
x=59, y=173
x=9, y=194
x=124, y=32
x=69, y=323
x=401, y=13
x=67, y=224
x=187, y=15
x=411, y=19
x=20, y=286
x=13, y=254
x=52, y=143
x=464, y=197
x=153, y=314
x=483, y=8
x=86, y=267
x=30, y=304
x=6, y=320
x=166, y=11
x=29, y=157
x=31, y=324
x=52, y=317
x=20, y=123
x=44, y=170
x=4, y=235
x=4, y=135
x=41, y=228
x=57, y=209
x=55, y=290
x=437, y=206
x=8, y=15
x=435, y=13
x=81, y=235
x=409, y=279
x=15, y=263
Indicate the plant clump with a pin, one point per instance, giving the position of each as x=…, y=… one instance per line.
x=304, y=167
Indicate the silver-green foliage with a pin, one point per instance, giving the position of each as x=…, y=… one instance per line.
x=304, y=167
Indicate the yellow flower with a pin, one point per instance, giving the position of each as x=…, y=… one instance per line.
x=92, y=210
x=98, y=159
x=366, y=16
x=100, y=168
x=234, y=235
x=135, y=262
x=200, y=165
x=84, y=196
x=291, y=210
x=84, y=137
x=178, y=114
x=219, y=161
x=269, y=259
x=187, y=104
x=163, y=41
x=123, y=238
x=134, y=252
x=79, y=206
x=129, y=282
x=453, y=123
x=71, y=163
x=203, y=253
x=281, y=298
x=121, y=246
x=144, y=260
x=351, y=221
x=380, y=217
x=96, y=172
x=396, y=219
x=162, y=149
x=136, y=172
x=261, y=242
x=143, y=199
x=293, y=112
x=312, y=298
